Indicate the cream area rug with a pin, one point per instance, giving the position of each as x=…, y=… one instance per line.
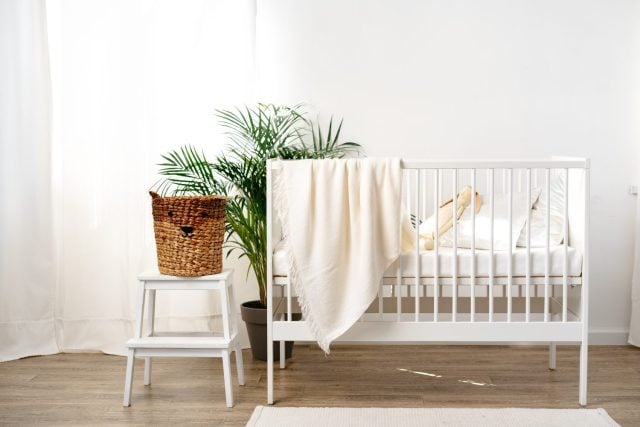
x=268, y=416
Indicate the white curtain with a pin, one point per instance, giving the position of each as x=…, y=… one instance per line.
x=27, y=281
x=129, y=81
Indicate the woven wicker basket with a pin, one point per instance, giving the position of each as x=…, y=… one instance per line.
x=189, y=232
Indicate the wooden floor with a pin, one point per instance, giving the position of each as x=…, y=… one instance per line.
x=86, y=389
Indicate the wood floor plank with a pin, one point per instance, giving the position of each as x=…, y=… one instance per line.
x=82, y=389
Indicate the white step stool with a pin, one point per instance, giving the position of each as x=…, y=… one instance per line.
x=158, y=344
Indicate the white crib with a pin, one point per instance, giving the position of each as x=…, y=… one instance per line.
x=466, y=295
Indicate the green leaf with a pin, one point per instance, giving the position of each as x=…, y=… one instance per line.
x=256, y=134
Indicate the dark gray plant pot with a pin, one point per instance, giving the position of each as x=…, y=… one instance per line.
x=254, y=315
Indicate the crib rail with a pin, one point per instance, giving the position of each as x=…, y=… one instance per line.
x=461, y=302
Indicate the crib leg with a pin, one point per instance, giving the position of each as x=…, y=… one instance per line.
x=552, y=356
x=270, y=373
x=583, y=372
x=269, y=351
x=283, y=363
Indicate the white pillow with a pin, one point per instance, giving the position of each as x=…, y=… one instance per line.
x=539, y=217
x=520, y=206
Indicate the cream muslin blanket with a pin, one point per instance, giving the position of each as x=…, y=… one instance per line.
x=341, y=221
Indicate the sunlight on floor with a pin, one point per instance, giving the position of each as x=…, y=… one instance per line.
x=428, y=374
x=476, y=383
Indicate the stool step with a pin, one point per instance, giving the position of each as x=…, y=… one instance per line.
x=193, y=340
x=184, y=344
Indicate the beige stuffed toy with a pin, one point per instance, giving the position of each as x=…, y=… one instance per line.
x=445, y=218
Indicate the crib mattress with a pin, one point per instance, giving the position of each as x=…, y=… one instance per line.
x=538, y=256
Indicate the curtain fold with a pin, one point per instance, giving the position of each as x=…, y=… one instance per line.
x=27, y=271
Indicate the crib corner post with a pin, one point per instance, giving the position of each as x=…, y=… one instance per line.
x=584, y=345
x=269, y=284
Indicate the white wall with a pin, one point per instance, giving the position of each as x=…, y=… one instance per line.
x=494, y=78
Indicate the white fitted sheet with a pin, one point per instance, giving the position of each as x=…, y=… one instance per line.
x=538, y=256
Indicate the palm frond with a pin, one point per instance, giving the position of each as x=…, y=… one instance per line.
x=187, y=171
x=256, y=134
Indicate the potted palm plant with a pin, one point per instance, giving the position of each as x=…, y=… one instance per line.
x=255, y=134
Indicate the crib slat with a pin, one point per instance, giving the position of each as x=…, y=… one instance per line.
x=425, y=196
x=510, y=239
x=380, y=299
x=491, y=233
x=454, y=285
x=547, y=243
x=407, y=185
x=289, y=303
x=473, y=245
x=436, y=243
x=565, y=258
x=409, y=197
x=400, y=272
x=398, y=289
x=417, y=248
x=527, y=289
